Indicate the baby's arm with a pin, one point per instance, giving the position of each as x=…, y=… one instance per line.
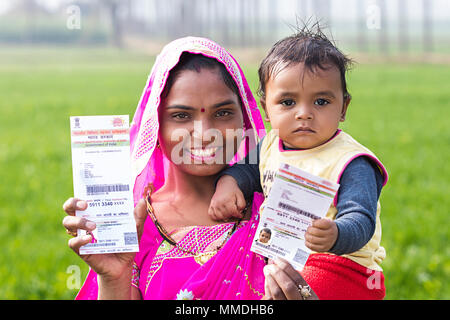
x=361, y=184
x=228, y=200
x=235, y=185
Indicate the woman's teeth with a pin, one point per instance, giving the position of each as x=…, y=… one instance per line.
x=203, y=152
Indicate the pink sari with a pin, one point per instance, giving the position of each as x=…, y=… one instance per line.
x=162, y=271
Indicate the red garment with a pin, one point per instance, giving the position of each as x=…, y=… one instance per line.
x=334, y=277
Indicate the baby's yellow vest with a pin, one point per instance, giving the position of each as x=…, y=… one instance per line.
x=327, y=161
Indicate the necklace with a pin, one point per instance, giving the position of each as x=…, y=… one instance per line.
x=165, y=235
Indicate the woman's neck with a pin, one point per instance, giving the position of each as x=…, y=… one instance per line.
x=189, y=186
x=185, y=199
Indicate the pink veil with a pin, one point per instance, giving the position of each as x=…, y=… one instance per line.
x=149, y=165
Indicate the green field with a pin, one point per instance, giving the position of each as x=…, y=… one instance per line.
x=400, y=111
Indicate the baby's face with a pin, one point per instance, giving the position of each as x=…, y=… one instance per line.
x=264, y=237
x=305, y=107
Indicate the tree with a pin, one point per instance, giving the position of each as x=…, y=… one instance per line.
x=403, y=38
x=383, y=35
x=322, y=11
x=427, y=26
x=113, y=7
x=361, y=37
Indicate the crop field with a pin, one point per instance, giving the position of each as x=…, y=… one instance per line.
x=401, y=111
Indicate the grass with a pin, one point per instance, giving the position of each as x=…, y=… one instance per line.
x=400, y=112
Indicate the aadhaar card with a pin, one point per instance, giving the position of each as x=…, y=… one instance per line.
x=295, y=200
x=102, y=176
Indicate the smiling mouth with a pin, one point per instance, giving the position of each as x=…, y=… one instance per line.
x=203, y=153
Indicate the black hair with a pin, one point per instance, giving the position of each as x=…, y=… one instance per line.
x=309, y=46
x=197, y=62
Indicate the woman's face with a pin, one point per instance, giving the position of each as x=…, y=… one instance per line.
x=200, y=122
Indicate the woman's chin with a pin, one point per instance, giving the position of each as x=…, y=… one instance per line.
x=202, y=169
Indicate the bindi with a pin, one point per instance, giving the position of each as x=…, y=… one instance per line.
x=202, y=109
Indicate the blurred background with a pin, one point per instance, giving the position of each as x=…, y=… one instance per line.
x=366, y=26
x=61, y=58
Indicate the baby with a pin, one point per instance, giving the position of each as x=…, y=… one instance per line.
x=264, y=235
x=304, y=95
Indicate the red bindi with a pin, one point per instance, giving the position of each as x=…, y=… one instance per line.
x=202, y=109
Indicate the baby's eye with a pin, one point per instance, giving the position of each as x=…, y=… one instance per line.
x=288, y=102
x=321, y=102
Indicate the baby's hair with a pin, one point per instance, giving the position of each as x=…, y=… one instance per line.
x=309, y=45
x=266, y=230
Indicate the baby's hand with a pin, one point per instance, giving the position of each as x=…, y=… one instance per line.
x=321, y=235
x=228, y=200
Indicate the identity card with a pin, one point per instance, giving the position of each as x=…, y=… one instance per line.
x=102, y=177
x=295, y=200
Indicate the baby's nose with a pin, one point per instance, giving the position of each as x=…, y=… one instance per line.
x=303, y=113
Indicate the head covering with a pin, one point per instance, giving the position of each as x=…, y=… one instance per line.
x=234, y=272
x=149, y=165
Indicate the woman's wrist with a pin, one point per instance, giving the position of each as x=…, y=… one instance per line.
x=117, y=287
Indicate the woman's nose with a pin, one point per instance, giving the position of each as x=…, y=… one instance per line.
x=204, y=131
x=200, y=126
x=197, y=131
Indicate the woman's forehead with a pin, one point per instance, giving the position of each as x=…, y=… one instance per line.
x=204, y=88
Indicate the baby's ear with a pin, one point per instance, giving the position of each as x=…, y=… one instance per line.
x=347, y=99
x=263, y=105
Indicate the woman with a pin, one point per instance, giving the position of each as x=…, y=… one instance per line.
x=180, y=140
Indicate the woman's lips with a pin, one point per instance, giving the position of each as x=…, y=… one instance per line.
x=203, y=154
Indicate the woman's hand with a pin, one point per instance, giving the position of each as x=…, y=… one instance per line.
x=111, y=266
x=283, y=283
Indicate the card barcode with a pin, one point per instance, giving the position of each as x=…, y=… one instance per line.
x=301, y=256
x=130, y=238
x=100, y=244
x=281, y=253
x=106, y=188
x=297, y=210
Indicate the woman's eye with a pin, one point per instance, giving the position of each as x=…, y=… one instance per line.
x=223, y=113
x=288, y=103
x=321, y=102
x=180, y=116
